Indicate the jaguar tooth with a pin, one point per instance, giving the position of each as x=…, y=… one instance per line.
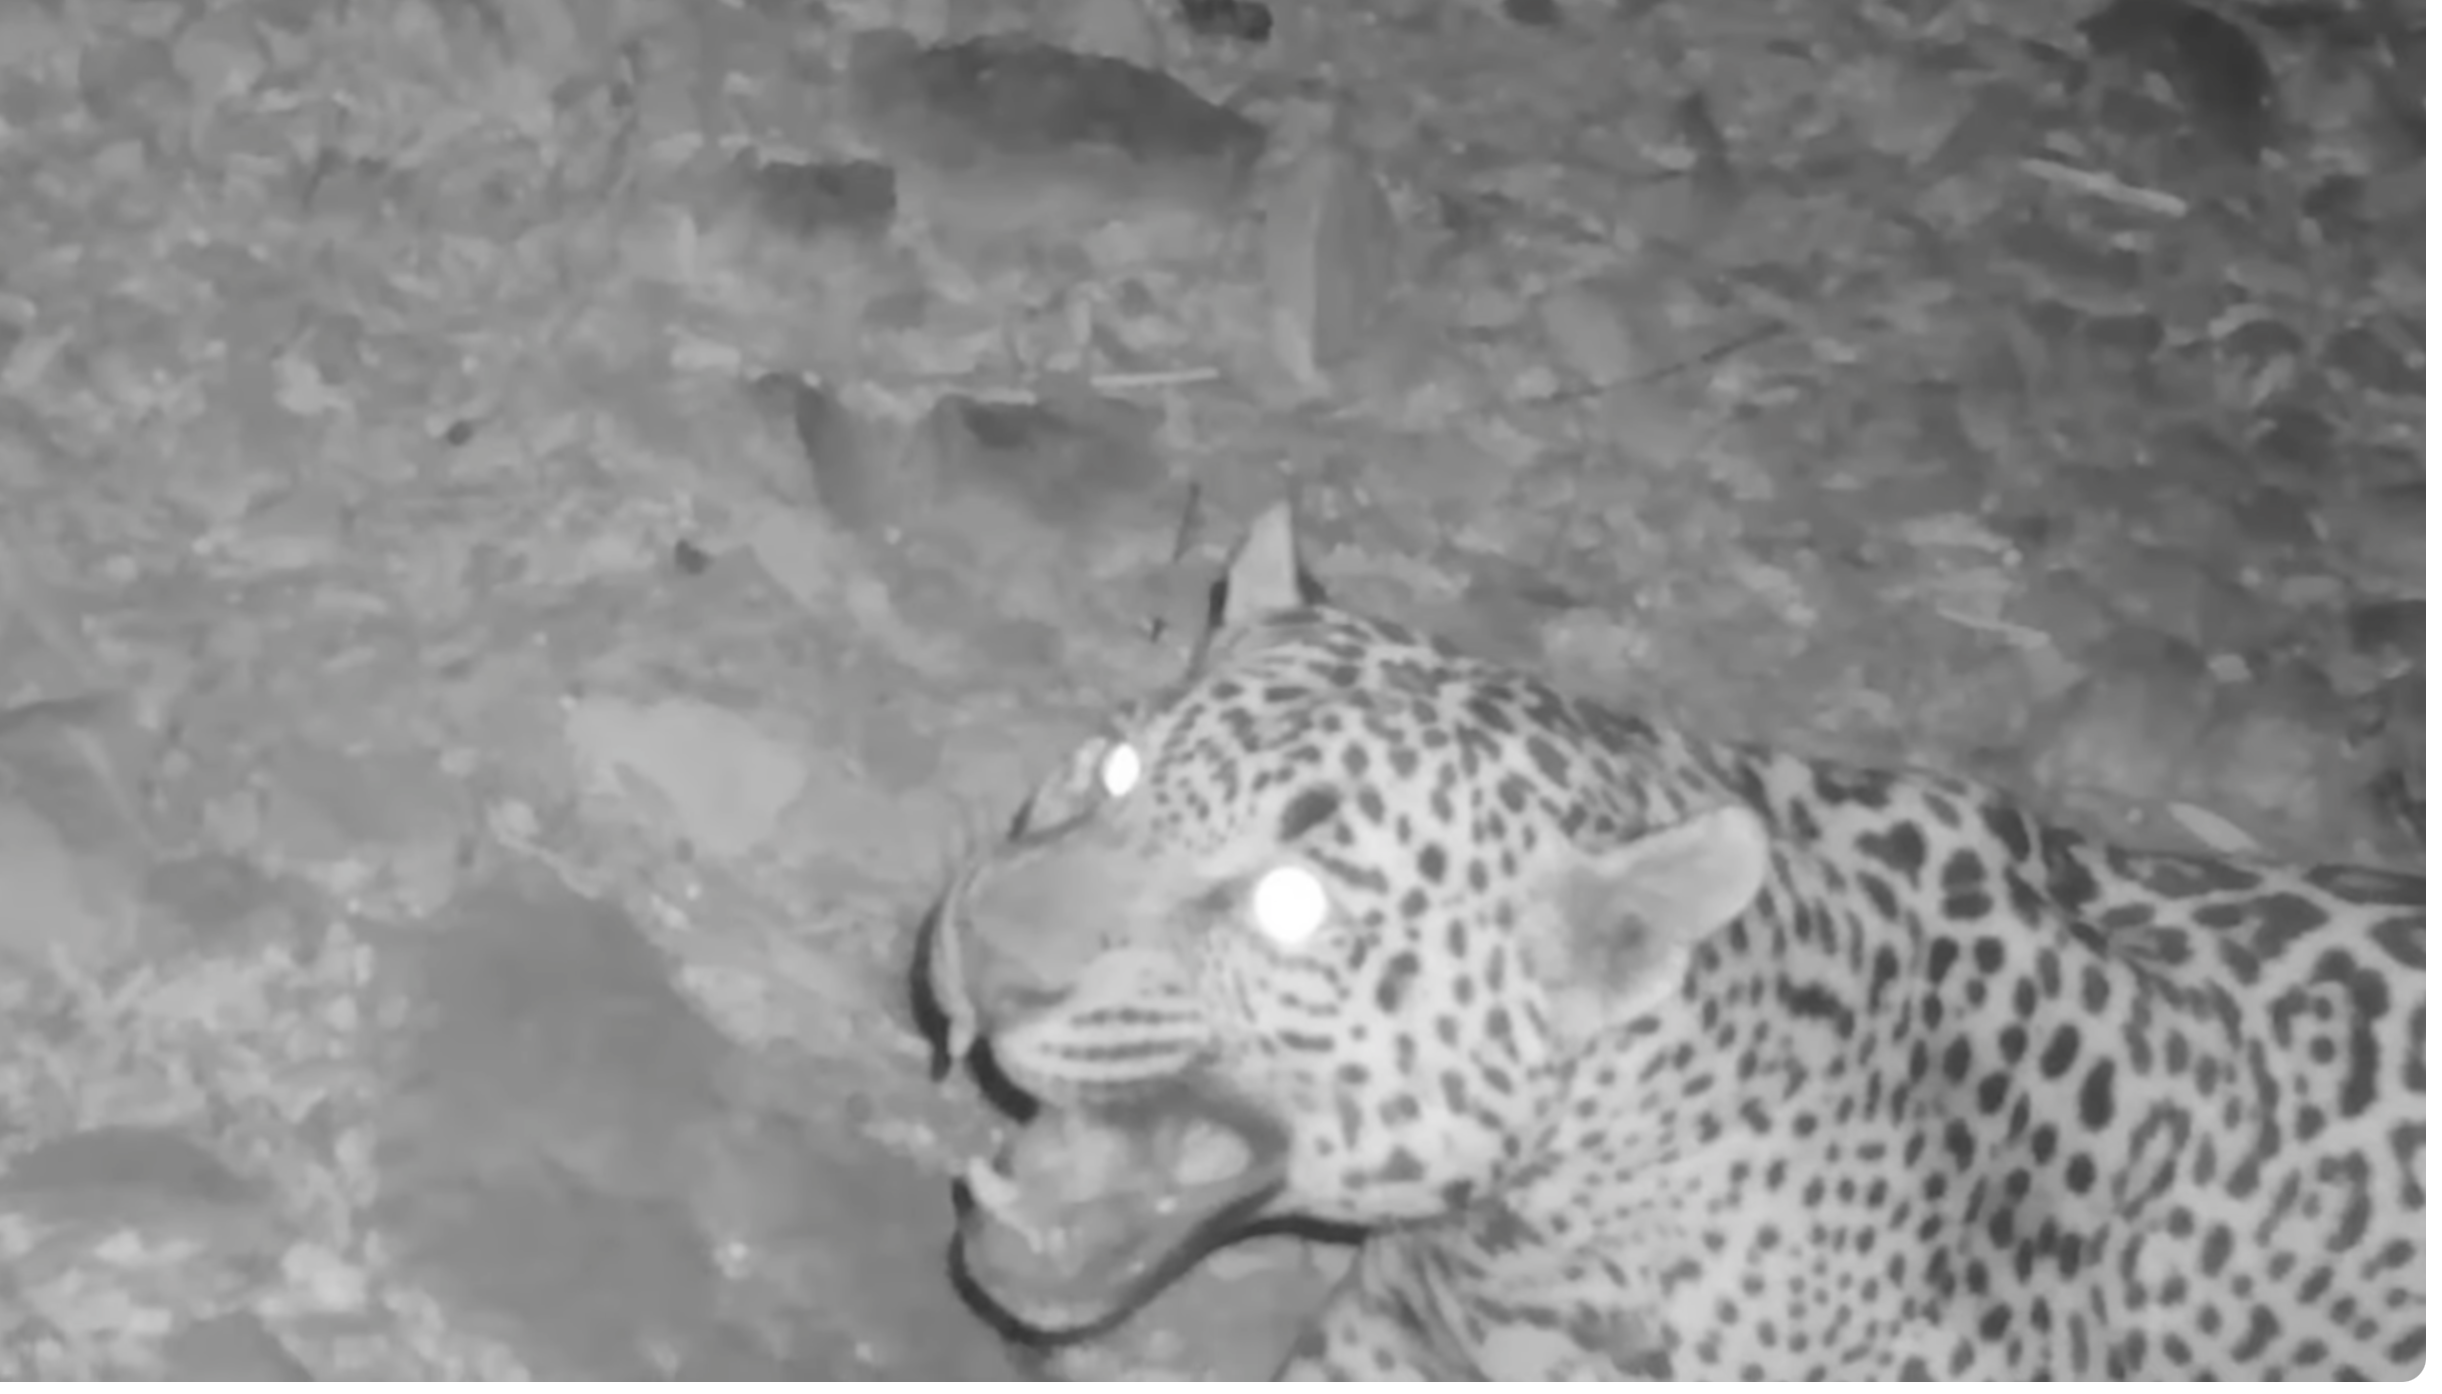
x=996, y=1194
x=1211, y=1153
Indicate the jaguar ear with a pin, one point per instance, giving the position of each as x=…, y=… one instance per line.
x=1625, y=922
x=1264, y=576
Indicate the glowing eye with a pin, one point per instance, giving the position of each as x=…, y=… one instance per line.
x=1121, y=768
x=1290, y=906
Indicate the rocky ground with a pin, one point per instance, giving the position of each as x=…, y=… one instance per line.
x=531, y=532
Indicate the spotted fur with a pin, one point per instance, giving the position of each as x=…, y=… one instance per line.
x=1642, y=1055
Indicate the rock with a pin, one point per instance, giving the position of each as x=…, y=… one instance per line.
x=2275, y=758
x=846, y=472
x=30, y=37
x=1244, y=21
x=1111, y=29
x=543, y=1034
x=2173, y=593
x=124, y=1175
x=2214, y=65
x=1026, y=484
x=219, y=55
x=2065, y=607
x=1067, y=456
x=2381, y=642
x=2294, y=444
x=926, y=21
x=2265, y=765
x=814, y=200
x=1585, y=329
x=2396, y=798
x=1330, y=255
x=571, y=1156
x=580, y=1284
x=131, y=80
x=2377, y=539
x=2129, y=729
x=2273, y=520
x=724, y=781
x=1013, y=136
x=74, y=847
x=228, y=902
x=559, y=39
x=235, y=1346
x=320, y=807
x=59, y=902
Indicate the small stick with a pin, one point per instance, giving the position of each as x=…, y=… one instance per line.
x=2103, y=186
x=1168, y=377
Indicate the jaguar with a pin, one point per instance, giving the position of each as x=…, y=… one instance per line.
x=1633, y=1054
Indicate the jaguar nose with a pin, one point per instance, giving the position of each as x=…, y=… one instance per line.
x=1022, y=932
x=1007, y=987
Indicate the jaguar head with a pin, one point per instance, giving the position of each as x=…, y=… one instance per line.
x=1320, y=934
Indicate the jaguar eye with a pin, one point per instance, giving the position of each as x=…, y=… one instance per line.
x=1289, y=906
x=1121, y=768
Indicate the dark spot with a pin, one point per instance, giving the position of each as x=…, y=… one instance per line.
x=2043, y=1142
x=2408, y=1350
x=1939, y=959
x=2095, y=991
x=2262, y=1328
x=2060, y=1053
x=2371, y=1000
x=2095, y=1102
x=1900, y=847
x=1311, y=808
x=1813, y=1001
x=1993, y=1092
x=1398, y=975
x=1550, y=761
x=1959, y=1141
x=1886, y=972
x=1963, y=871
x=2080, y=1175
x=1877, y=890
x=1957, y=1060
x=2216, y=1251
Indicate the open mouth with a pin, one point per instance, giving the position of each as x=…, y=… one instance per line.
x=1089, y=1213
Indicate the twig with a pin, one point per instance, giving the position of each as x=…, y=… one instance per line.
x=2103, y=186
x=1133, y=382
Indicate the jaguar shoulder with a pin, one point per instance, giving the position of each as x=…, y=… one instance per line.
x=1637, y=1054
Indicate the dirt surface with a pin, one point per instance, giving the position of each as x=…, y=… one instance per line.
x=533, y=532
